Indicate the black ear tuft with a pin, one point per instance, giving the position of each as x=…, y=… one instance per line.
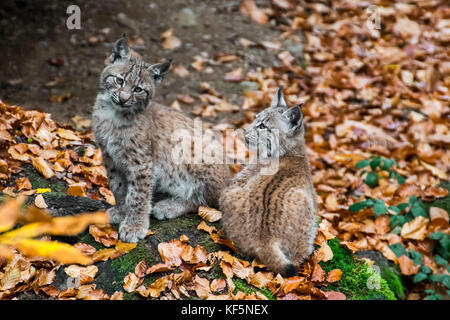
x=278, y=100
x=120, y=50
x=159, y=70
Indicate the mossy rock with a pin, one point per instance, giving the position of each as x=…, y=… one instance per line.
x=359, y=281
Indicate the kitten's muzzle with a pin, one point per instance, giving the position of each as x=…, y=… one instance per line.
x=124, y=97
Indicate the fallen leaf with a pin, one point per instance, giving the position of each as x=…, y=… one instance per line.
x=415, y=229
x=334, y=275
x=39, y=202
x=209, y=214
x=105, y=234
x=131, y=281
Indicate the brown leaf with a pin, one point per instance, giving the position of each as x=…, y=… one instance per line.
x=158, y=286
x=201, y=287
x=76, y=271
x=249, y=7
x=334, y=275
x=218, y=285
x=171, y=252
x=131, y=281
x=415, y=229
x=108, y=195
x=23, y=184
x=140, y=269
x=318, y=274
x=78, y=190
x=159, y=267
x=407, y=266
x=39, y=202
x=42, y=167
x=169, y=40
x=104, y=234
x=209, y=214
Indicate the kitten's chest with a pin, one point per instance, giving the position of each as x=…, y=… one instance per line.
x=114, y=136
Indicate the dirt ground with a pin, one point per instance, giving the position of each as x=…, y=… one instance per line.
x=37, y=48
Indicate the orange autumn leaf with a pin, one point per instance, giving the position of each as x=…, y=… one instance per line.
x=209, y=214
x=23, y=184
x=78, y=190
x=43, y=167
x=407, y=266
x=334, y=275
x=104, y=233
x=249, y=7
x=415, y=229
x=318, y=274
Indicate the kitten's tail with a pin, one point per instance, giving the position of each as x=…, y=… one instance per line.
x=273, y=257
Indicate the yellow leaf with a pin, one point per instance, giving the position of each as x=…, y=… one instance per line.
x=28, y=231
x=9, y=212
x=61, y=252
x=73, y=225
x=125, y=247
x=43, y=190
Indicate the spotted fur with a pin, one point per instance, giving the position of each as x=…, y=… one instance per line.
x=272, y=217
x=135, y=136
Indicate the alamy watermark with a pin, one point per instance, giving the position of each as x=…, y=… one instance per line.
x=73, y=22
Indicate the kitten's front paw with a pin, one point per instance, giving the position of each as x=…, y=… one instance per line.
x=132, y=233
x=114, y=215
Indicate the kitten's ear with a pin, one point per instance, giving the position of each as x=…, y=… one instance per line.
x=120, y=50
x=293, y=117
x=278, y=100
x=159, y=70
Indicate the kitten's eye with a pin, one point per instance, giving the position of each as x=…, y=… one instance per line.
x=262, y=126
x=119, y=81
x=137, y=89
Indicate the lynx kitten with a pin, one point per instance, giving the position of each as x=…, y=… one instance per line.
x=136, y=139
x=272, y=217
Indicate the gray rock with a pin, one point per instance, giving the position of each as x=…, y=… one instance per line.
x=186, y=18
x=249, y=85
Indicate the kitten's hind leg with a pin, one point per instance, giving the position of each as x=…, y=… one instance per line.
x=271, y=255
x=172, y=208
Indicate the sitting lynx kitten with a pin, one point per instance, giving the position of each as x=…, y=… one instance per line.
x=135, y=136
x=272, y=217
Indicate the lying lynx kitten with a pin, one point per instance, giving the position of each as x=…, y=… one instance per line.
x=272, y=217
x=136, y=139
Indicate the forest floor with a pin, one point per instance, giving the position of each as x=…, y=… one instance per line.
x=376, y=110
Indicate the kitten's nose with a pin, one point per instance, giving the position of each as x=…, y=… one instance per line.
x=124, y=96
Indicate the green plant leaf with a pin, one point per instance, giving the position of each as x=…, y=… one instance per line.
x=387, y=163
x=379, y=208
x=376, y=161
x=403, y=206
x=416, y=256
x=420, y=277
x=395, y=209
x=440, y=260
x=358, y=206
x=371, y=179
x=362, y=164
x=417, y=210
x=398, y=249
x=426, y=269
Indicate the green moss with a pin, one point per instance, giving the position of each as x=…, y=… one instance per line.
x=355, y=280
x=88, y=239
x=243, y=286
x=394, y=281
x=38, y=181
x=127, y=263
